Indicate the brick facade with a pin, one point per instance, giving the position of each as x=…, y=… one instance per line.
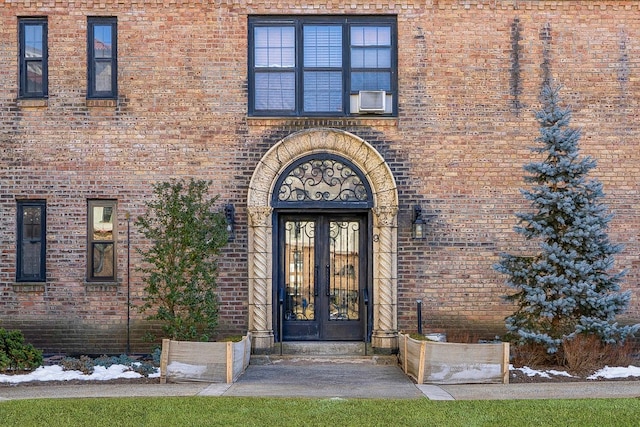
x=469, y=76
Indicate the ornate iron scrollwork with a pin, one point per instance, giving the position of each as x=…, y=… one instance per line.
x=322, y=180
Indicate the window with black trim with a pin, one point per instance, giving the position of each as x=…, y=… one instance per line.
x=33, y=67
x=31, y=241
x=101, y=240
x=102, y=57
x=322, y=66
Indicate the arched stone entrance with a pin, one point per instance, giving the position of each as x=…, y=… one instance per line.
x=384, y=215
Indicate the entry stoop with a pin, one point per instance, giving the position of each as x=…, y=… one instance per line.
x=305, y=352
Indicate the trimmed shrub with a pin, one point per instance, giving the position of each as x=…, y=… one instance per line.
x=15, y=354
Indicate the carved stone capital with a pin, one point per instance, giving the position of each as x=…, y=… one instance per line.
x=386, y=215
x=259, y=216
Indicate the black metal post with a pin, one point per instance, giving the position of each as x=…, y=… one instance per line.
x=128, y=283
x=280, y=315
x=419, y=309
x=366, y=319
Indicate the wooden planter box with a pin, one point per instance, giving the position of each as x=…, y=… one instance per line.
x=215, y=362
x=430, y=362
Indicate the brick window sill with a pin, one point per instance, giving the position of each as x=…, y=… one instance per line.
x=102, y=103
x=33, y=103
x=323, y=121
x=29, y=287
x=101, y=286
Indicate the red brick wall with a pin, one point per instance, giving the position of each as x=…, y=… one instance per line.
x=469, y=78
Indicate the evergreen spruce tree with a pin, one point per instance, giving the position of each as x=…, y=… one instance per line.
x=567, y=288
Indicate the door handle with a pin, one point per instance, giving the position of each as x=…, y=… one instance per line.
x=315, y=281
x=328, y=280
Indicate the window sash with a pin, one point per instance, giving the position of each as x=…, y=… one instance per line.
x=322, y=68
x=102, y=58
x=371, y=58
x=275, y=47
x=323, y=91
x=372, y=80
x=322, y=47
x=275, y=91
x=33, y=58
x=31, y=241
x=101, y=240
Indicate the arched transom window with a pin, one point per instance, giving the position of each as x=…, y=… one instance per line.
x=322, y=180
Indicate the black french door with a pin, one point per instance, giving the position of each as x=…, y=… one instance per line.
x=322, y=276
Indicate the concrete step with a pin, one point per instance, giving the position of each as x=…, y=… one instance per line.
x=275, y=359
x=305, y=352
x=323, y=348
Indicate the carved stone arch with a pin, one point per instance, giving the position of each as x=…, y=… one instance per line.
x=384, y=213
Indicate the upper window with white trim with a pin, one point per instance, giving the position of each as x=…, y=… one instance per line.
x=322, y=66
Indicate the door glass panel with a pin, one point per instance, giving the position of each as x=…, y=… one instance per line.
x=344, y=271
x=300, y=274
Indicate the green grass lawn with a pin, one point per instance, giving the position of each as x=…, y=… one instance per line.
x=235, y=411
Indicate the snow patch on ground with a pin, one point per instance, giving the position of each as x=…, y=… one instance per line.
x=100, y=373
x=606, y=372
x=616, y=372
x=544, y=374
x=530, y=372
x=56, y=373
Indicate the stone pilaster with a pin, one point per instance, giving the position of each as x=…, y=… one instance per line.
x=385, y=326
x=260, y=281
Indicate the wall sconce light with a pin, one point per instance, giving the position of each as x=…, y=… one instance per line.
x=419, y=226
x=229, y=215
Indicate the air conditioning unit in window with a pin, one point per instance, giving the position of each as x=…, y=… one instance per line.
x=371, y=101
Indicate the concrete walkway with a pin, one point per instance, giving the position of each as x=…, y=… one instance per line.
x=332, y=380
